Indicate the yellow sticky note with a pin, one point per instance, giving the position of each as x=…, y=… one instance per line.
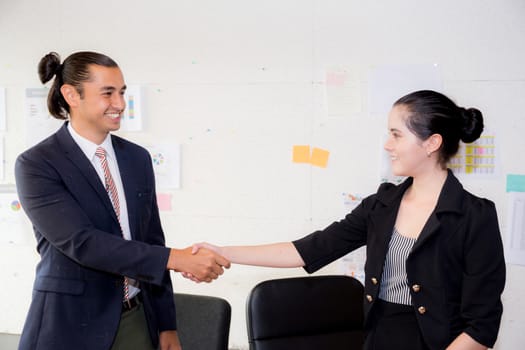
x=319, y=157
x=301, y=154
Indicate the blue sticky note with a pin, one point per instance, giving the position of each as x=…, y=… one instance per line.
x=515, y=183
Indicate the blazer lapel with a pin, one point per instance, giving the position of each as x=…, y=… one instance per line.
x=124, y=160
x=430, y=228
x=75, y=155
x=450, y=201
x=384, y=218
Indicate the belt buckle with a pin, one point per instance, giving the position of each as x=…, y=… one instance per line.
x=130, y=304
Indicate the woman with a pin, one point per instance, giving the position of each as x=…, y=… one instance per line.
x=435, y=269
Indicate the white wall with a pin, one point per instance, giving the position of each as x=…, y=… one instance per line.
x=239, y=82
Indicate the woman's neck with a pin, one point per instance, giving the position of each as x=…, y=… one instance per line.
x=428, y=186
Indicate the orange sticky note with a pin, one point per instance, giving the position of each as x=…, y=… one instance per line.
x=164, y=201
x=319, y=157
x=301, y=154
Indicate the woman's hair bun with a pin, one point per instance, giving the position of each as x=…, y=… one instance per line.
x=472, y=124
x=49, y=66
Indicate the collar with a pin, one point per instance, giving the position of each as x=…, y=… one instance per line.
x=88, y=147
x=450, y=199
x=451, y=196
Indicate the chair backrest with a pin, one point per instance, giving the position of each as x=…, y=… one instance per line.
x=203, y=322
x=319, y=312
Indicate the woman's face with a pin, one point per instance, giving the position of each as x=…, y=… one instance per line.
x=408, y=153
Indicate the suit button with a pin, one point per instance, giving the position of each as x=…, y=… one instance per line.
x=369, y=298
x=422, y=310
x=416, y=288
x=374, y=280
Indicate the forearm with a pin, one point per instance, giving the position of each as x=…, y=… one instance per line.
x=270, y=255
x=465, y=342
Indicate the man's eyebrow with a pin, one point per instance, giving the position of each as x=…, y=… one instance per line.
x=108, y=88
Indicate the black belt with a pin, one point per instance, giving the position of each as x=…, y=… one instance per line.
x=131, y=303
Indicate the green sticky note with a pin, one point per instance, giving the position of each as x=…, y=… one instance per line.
x=515, y=183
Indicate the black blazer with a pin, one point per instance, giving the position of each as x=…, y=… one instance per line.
x=456, y=268
x=77, y=296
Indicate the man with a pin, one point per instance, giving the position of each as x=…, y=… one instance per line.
x=103, y=280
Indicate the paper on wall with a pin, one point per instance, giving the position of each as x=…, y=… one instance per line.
x=39, y=123
x=166, y=164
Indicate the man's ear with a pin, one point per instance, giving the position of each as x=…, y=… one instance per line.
x=70, y=94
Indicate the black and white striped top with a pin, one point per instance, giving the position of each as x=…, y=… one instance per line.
x=394, y=282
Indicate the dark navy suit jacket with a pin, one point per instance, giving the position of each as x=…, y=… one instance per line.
x=77, y=296
x=456, y=269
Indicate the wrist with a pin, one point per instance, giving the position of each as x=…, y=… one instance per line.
x=174, y=259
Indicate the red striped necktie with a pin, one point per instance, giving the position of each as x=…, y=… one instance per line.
x=111, y=188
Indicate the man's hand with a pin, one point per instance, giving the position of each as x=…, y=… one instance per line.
x=205, y=265
x=195, y=250
x=169, y=340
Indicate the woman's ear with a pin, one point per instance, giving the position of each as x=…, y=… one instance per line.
x=433, y=143
x=70, y=94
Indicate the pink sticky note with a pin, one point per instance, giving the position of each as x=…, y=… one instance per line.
x=164, y=201
x=335, y=79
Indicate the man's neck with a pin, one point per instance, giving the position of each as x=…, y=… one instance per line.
x=91, y=135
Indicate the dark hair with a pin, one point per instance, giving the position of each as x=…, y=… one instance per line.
x=73, y=71
x=433, y=113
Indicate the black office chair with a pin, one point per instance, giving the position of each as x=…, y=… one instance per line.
x=203, y=322
x=320, y=312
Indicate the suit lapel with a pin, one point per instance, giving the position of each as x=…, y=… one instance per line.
x=126, y=168
x=75, y=155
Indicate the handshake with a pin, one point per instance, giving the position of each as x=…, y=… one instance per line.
x=201, y=262
x=204, y=262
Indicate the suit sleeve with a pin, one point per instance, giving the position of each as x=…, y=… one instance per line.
x=58, y=219
x=483, y=275
x=162, y=300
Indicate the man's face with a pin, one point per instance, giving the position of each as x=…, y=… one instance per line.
x=100, y=108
